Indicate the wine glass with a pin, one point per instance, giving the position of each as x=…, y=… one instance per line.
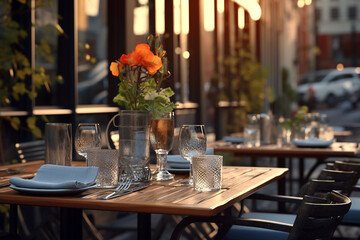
x=192, y=142
x=161, y=139
x=87, y=136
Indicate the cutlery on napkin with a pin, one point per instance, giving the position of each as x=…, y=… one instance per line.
x=58, y=177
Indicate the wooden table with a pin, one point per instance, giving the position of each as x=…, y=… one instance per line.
x=341, y=149
x=167, y=197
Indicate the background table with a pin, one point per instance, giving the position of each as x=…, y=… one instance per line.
x=337, y=149
x=161, y=197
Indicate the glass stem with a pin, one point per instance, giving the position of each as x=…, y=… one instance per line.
x=191, y=181
x=161, y=157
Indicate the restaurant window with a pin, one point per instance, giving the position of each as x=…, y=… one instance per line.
x=46, y=51
x=352, y=13
x=334, y=13
x=92, y=52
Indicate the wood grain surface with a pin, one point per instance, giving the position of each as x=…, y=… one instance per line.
x=168, y=197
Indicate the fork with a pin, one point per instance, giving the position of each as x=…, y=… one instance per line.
x=122, y=186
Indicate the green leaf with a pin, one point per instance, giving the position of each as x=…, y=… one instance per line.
x=15, y=123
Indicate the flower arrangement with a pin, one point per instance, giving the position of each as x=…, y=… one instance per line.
x=141, y=74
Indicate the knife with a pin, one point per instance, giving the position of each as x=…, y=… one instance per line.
x=123, y=192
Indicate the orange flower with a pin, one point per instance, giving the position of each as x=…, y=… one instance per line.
x=116, y=67
x=152, y=63
x=124, y=59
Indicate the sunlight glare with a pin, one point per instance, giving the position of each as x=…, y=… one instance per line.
x=177, y=17
x=220, y=6
x=141, y=22
x=252, y=6
x=160, y=16
x=241, y=18
x=185, y=16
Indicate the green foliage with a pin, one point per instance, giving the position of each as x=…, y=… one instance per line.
x=17, y=77
x=244, y=81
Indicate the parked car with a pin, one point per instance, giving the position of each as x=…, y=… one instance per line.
x=330, y=86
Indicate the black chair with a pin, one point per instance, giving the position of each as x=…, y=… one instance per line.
x=31, y=150
x=352, y=218
x=327, y=184
x=317, y=218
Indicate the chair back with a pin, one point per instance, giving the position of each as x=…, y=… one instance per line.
x=31, y=150
x=346, y=178
x=318, y=216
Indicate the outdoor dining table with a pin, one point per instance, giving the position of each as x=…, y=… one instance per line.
x=337, y=149
x=166, y=197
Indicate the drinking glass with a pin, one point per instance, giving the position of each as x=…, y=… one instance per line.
x=161, y=140
x=87, y=136
x=192, y=142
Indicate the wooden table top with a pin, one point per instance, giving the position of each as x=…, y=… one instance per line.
x=336, y=149
x=167, y=197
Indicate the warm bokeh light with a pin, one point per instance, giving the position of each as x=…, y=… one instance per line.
x=340, y=66
x=185, y=16
x=92, y=8
x=241, y=18
x=300, y=3
x=308, y=2
x=143, y=2
x=141, y=20
x=87, y=46
x=252, y=6
x=220, y=6
x=357, y=70
x=177, y=50
x=186, y=54
x=209, y=15
x=160, y=16
x=177, y=16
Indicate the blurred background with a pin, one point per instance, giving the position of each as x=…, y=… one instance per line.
x=228, y=58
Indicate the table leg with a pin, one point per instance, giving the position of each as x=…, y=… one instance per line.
x=301, y=172
x=13, y=219
x=70, y=223
x=144, y=226
x=281, y=184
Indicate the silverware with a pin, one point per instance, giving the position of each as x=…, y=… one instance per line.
x=116, y=194
x=123, y=186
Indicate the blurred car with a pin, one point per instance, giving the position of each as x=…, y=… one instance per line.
x=330, y=86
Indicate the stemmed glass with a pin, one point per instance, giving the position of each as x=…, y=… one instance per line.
x=161, y=139
x=87, y=136
x=192, y=142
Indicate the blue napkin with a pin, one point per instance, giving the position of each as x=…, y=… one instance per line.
x=178, y=162
x=59, y=177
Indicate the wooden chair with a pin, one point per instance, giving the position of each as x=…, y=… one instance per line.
x=317, y=218
x=31, y=151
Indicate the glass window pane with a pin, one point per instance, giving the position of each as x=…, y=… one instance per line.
x=46, y=49
x=92, y=50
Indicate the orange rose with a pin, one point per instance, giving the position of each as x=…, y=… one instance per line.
x=152, y=63
x=116, y=67
x=124, y=59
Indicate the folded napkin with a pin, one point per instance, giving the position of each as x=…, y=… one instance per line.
x=233, y=139
x=59, y=177
x=176, y=161
x=313, y=142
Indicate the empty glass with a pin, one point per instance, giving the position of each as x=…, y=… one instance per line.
x=107, y=160
x=58, y=143
x=87, y=136
x=252, y=132
x=207, y=172
x=161, y=139
x=192, y=142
